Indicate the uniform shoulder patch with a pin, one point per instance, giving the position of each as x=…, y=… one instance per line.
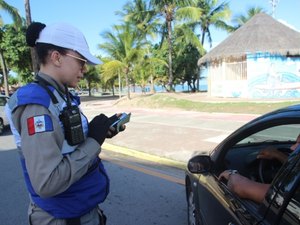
x=39, y=124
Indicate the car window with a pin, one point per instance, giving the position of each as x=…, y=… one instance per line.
x=282, y=133
x=2, y=101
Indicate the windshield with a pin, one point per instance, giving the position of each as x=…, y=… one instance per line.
x=282, y=133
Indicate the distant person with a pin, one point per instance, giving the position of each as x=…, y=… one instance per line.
x=249, y=189
x=59, y=148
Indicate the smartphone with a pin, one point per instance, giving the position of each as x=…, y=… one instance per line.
x=124, y=118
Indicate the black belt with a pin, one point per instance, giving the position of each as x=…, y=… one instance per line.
x=76, y=221
x=73, y=221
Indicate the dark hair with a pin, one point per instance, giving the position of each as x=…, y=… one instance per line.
x=42, y=49
x=33, y=32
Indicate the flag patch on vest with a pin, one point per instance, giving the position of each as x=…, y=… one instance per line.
x=39, y=124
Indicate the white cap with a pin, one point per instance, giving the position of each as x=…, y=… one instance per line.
x=67, y=36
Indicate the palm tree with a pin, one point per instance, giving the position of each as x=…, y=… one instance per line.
x=140, y=14
x=207, y=13
x=167, y=10
x=28, y=22
x=91, y=76
x=144, y=70
x=188, y=50
x=13, y=12
x=124, y=46
x=241, y=19
x=147, y=19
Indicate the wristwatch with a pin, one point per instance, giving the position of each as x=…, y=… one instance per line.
x=233, y=172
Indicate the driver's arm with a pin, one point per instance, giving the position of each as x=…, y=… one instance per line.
x=244, y=187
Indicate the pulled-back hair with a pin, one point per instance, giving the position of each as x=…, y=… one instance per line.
x=42, y=49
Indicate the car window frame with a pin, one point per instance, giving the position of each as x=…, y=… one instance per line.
x=277, y=201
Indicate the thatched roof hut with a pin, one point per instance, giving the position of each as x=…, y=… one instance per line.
x=261, y=33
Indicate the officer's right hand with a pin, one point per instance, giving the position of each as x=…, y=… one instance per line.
x=112, y=131
x=99, y=127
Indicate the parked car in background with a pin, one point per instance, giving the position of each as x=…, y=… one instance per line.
x=3, y=119
x=209, y=200
x=83, y=91
x=73, y=91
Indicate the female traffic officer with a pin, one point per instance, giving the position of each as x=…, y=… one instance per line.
x=58, y=147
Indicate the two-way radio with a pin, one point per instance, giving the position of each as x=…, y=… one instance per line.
x=71, y=119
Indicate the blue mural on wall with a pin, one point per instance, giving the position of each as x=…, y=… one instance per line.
x=273, y=76
x=265, y=87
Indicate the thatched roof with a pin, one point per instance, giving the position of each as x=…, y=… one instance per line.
x=261, y=33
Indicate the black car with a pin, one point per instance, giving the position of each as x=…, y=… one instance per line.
x=210, y=202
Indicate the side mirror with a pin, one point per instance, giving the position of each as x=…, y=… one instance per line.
x=199, y=164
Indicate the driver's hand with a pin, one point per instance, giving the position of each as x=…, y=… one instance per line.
x=271, y=153
x=235, y=181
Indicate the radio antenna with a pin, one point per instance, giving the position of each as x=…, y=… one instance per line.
x=68, y=96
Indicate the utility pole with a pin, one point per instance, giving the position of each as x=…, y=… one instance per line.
x=274, y=5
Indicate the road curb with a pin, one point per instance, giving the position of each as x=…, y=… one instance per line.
x=143, y=156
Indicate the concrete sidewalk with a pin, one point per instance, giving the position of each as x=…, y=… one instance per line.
x=172, y=135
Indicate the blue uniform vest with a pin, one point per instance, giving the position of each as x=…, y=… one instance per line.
x=85, y=194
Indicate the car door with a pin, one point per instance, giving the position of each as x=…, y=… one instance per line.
x=217, y=204
x=282, y=203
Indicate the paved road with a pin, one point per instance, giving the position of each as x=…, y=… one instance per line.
x=13, y=194
x=141, y=192
x=144, y=193
x=173, y=134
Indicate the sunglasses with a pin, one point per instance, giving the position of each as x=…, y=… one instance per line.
x=82, y=61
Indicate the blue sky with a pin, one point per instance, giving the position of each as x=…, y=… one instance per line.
x=93, y=17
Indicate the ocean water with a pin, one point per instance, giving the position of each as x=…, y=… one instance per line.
x=161, y=89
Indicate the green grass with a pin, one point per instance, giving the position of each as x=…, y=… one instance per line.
x=165, y=101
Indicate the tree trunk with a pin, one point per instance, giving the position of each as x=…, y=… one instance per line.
x=120, y=90
x=4, y=71
x=127, y=82
x=32, y=51
x=203, y=35
x=152, y=84
x=89, y=87
x=113, y=89
x=171, y=78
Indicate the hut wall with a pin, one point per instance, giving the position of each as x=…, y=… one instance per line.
x=273, y=76
x=227, y=78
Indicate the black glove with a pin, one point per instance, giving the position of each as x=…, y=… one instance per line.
x=98, y=128
x=112, y=131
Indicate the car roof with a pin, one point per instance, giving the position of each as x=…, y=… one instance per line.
x=289, y=110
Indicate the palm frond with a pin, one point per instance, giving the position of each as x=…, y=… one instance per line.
x=12, y=11
x=189, y=13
